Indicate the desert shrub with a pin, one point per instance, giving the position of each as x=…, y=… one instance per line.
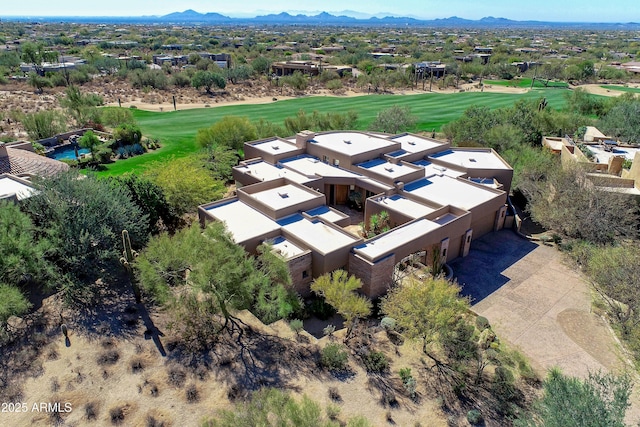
x=334, y=357
x=474, y=417
x=91, y=411
x=375, y=362
x=127, y=133
x=148, y=78
x=117, y=415
x=334, y=85
x=180, y=80
x=12, y=302
x=296, y=325
x=334, y=394
x=137, y=365
x=482, y=323
x=388, y=323
x=176, y=376
x=112, y=116
x=333, y=411
x=328, y=330
x=191, y=393
x=43, y=124
x=108, y=357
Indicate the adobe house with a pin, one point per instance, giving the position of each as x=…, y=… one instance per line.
x=292, y=192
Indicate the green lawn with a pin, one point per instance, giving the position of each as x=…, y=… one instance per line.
x=526, y=83
x=177, y=129
x=621, y=88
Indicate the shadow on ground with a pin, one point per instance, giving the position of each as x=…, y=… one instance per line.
x=481, y=272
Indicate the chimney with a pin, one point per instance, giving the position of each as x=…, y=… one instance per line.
x=399, y=185
x=303, y=137
x=3, y=151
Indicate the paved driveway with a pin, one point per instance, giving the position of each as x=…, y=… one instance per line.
x=537, y=303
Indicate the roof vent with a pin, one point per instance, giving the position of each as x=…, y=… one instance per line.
x=346, y=141
x=283, y=195
x=275, y=147
x=472, y=160
x=388, y=169
x=411, y=143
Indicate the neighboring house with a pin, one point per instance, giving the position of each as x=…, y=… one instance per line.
x=13, y=188
x=603, y=158
x=291, y=193
x=18, y=158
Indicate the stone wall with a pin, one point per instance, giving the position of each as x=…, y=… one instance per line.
x=376, y=277
x=297, y=268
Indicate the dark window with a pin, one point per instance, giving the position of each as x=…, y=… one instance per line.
x=305, y=274
x=444, y=253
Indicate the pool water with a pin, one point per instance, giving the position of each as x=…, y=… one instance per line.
x=67, y=153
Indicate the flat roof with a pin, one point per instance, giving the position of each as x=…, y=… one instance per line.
x=317, y=234
x=445, y=190
x=267, y=172
x=285, y=247
x=603, y=156
x=416, y=144
x=351, y=143
x=9, y=186
x=406, y=206
x=431, y=169
x=284, y=196
x=326, y=213
x=312, y=166
x=392, y=240
x=275, y=146
x=388, y=169
x=242, y=221
x=471, y=159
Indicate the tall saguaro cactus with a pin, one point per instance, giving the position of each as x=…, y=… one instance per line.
x=126, y=260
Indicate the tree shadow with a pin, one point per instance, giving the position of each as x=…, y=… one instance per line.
x=151, y=332
x=67, y=342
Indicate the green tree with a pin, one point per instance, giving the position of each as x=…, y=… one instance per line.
x=84, y=218
x=115, y=116
x=623, y=120
x=203, y=276
x=338, y=290
x=89, y=140
x=127, y=133
x=82, y=107
x=207, y=80
x=230, y=131
x=22, y=256
x=425, y=310
x=595, y=215
x=43, y=124
x=38, y=82
x=220, y=160
x=12, y=303
x=186, y=183
x=394, y=120
x=601, y=400
x=151, y=200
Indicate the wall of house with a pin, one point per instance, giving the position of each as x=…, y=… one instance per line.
x=297, y=266
x=376, y=277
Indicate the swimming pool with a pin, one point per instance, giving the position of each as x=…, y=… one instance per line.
x=67, y=153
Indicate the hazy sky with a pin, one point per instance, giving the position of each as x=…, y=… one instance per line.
x=548, y=10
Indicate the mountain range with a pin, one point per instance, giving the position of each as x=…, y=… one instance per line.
x=191, y=17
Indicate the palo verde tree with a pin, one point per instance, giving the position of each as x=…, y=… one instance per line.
x=339, y=290
x=230, y=131
x=82, y=107
x=203, y=277
x=426, y=310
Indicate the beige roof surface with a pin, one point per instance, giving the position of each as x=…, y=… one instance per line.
x=351, y=143
x=317, y=234
x=27, y=162
x=275, y=146
x=311, y=166
x=471, y=159
x=406, y=206
x=284, y=196
x=267, y=172
x=10, y=185
x=392, y=240
x=445, y=190
x=242, y=221
x=415, y=144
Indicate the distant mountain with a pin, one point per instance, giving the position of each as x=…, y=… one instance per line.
x=191, y=17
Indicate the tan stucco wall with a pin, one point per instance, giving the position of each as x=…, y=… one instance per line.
x=297, y=266
x=376, y=277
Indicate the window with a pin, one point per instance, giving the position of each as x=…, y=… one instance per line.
x=468, y=239
x=336, y=162
x=444, y=252
x=305, y=274
x=325, y=159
